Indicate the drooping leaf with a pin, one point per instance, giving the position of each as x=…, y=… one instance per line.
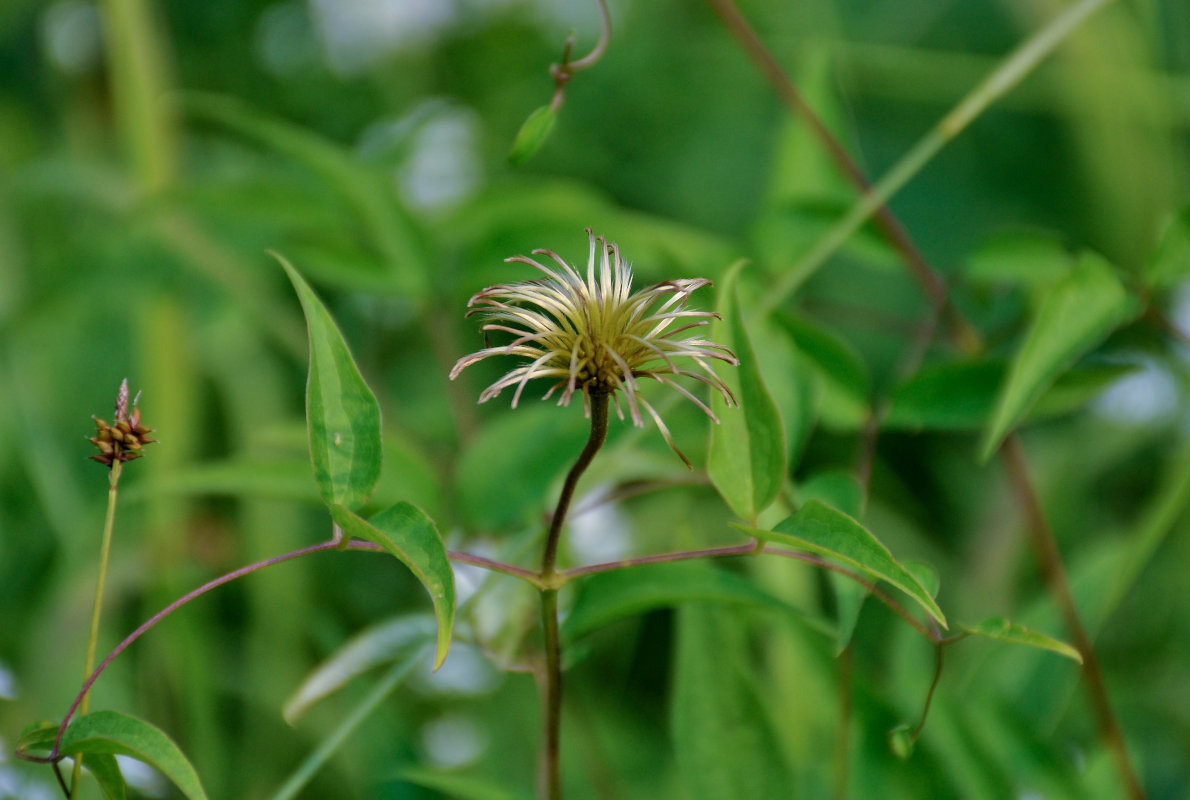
x=463, y=787
x=1003, y=630
x=406, y=532
x=746, y=461
x=724, y=739
x=1078, y=313
x=1170, y=261
x=113, y=733
x=341, y=411
x=1030, y=258
x=849, y=602
x=377, y=645
x=610, y=596
x=828, y=532
x=532, y=135
x=843, y=374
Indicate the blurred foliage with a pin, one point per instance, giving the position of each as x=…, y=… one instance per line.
x=150, y=153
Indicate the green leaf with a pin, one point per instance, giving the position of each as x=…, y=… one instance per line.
x=609, y=596
x=375, y=207
x=838, y=488
x=341, y=411
x=38, y=739
x=378, y=645
x=902, y=741
x=1025, y=258
x=1170, y=261
x=1077, y=314
x=849, y=602
x=724, y=739
x=502, y=479
x=113, y=733
x=406, y=532
x=747, y=452
x=532, y=135
x=844, y=376
x=461, y=787
x=823, y=530
x=106, y=770
x=1002, y=630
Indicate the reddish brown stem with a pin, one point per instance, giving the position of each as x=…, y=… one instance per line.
x=1054, y=574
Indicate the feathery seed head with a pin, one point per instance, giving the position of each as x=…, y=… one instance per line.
x=595, y=336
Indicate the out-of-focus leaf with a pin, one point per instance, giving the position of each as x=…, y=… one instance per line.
x=823, y=530
x=926, y=575
x=961, y=395
x=389, y=225
x=1170, y=261
x=406, y=532
x=1077, y=314
x=836, y=488
x=610, y=596
x=462, y=787
x=335, y=739
x=341, y=411
x=849, y=602
x=532, y=135
x=1002, y=630
x=113, y=733
x=746, y=461
x=842, y=372
x=1024, y=258
x=378, y=645
x=901, y=741
x=504, y=475
x=723, y=737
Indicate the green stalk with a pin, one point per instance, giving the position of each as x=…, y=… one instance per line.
x=97, y=605
x=1013, y=69
x=550, y=780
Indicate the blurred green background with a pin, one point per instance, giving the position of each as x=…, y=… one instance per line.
x=150, y=153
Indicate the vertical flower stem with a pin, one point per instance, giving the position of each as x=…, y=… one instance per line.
x=105, y=549
x=550, y=781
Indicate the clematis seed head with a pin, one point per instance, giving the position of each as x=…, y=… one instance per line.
x=593, y=335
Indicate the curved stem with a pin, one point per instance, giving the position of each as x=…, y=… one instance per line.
x=939, y=647
x=599, y=404
x=551, y=774
x=605, y=37
x=55, y=755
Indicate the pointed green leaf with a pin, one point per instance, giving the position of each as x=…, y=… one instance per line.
x=406, y=532
x=747, y=452
x=610, y=596
x=849, y=602
x=1170, y=261
x=961, y=395
x=532, y=135
x=724, y=739
x=113, y=733
x=1002, y=630
x=1076, y=315
x=377, y=645
x=341, y=411
x=836, y=488
x=823, y=530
